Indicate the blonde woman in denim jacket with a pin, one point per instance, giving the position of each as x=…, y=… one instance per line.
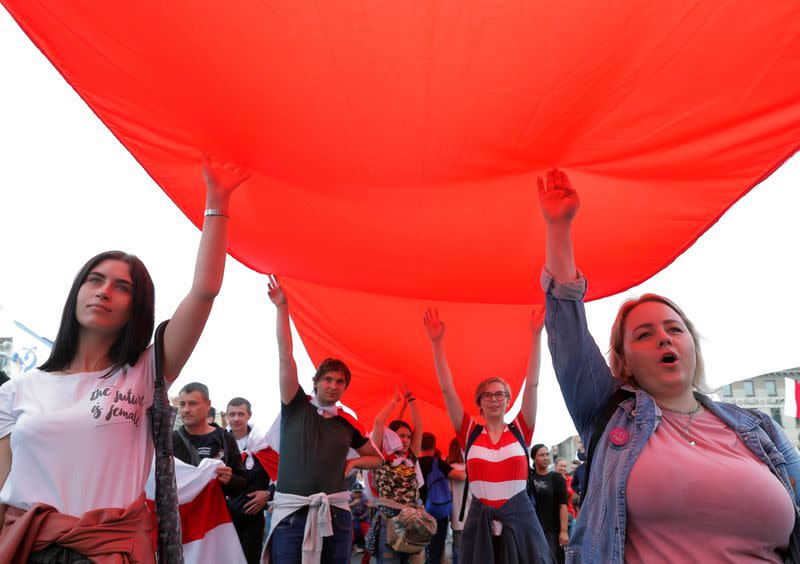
x=675, y=476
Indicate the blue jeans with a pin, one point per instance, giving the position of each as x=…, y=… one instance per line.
x=286, y=545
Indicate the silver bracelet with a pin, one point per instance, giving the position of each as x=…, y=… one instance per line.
x=215, y=211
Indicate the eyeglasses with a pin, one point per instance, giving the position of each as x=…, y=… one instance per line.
x=489, y=396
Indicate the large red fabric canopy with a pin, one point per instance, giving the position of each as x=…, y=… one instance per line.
x=395, y=147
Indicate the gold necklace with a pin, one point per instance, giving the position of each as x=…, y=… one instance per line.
x=684, y=431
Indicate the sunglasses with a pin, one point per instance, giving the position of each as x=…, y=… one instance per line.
x=489, y=396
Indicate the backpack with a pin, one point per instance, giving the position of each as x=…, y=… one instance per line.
x=439, y=502
x=476, y=431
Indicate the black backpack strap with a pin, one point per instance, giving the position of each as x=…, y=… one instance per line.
x=518, y=434
x=473, y=435
x=194, y=456
x=600, y=424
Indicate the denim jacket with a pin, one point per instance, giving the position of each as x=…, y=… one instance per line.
x=586, y=383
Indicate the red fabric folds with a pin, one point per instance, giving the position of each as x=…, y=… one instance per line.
x=395, y=147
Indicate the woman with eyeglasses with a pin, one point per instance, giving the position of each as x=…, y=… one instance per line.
x=501, y=526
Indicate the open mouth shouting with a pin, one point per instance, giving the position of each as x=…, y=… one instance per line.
x=668, y=359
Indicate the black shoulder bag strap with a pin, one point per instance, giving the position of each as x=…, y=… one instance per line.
x=471, y=439
x=600, y=424
x=194, y=456
x=162, y=420
x=518, y=435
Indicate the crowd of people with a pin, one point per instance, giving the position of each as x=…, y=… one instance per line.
x=650, y=489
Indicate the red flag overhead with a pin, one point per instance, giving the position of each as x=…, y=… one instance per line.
x=395, y=146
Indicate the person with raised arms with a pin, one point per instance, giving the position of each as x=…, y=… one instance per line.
x=656, y=442
x=398, y=478
x=311, y=520
x=76, y=447
x=501, y=526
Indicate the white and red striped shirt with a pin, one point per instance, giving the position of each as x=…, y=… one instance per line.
x=496, y=471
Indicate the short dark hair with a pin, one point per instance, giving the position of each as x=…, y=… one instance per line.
x=428, y=441
x=195, y=387
x=237, y=401
x=332, y=365
x=133, y=338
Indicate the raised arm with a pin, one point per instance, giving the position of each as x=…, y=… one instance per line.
x=531, y=390
x=583, y=375
x=367, y=459
x=382, y=416
x=435, y=328
x=559, y=203
x=189, y=320
x=416, y=420
x=287, y=371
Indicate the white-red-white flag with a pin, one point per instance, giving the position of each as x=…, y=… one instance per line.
x=208, y=533
x=260, y=446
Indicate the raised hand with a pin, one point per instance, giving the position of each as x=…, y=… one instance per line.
x=275, y=292
x=406, y=392
x=559, y=202
x=537, y=318
x=222, y=177
x=433, y=324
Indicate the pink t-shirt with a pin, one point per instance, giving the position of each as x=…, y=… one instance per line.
x=712, y=502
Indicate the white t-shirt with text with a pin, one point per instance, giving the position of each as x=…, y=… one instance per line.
x=78, y=441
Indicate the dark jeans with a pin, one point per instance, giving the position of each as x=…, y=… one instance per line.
x=286, y=544
x=555, y=548
x=250, y=529
x=434, y=551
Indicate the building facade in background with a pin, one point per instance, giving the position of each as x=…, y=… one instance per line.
x=768, y=393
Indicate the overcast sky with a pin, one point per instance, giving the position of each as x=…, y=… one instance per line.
x=70, y=190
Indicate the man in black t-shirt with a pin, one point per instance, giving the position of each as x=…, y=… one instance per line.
x=196, y=439
x=550, y=491
x=427, y=454
x=315, y=439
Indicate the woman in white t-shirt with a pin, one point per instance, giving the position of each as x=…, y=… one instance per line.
x=75, y=446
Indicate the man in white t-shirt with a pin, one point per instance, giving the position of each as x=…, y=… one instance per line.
x=196, y=439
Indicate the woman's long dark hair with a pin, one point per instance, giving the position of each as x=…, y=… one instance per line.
x=133, y=338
